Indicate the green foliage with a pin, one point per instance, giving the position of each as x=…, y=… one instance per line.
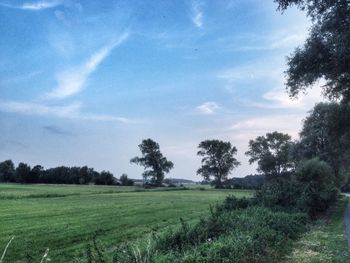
x=232, y=203
x=153, y=160
x=104, y=178
x=22, y=174
x=7, y=171
x=325, y=135
x=254, y=234
x=125, y=180
x=272, y=153
x=312, y=190
x=218, y=160
x=280, y=194
x=319, y=188
x=247, y=182
x=326, y=52
x=36, y=174
x=58, y=175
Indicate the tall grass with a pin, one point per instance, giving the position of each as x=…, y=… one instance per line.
x=229, y=234
x=5, y=250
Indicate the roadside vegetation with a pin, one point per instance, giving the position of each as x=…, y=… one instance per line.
x=325, y=242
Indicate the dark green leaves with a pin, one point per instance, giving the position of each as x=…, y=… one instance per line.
x=153, y=160
x=218, y=160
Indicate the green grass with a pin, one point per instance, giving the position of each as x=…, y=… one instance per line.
x=65, y=218
x=15, y=191
x=325, y=242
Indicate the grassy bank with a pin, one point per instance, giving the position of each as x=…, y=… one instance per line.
x=325, y=241
x=240, y=231
x=66, y=223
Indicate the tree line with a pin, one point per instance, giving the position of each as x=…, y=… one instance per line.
x=23, y=173
x=324, y=136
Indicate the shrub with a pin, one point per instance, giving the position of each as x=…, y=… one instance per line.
x=280, y=194
x=319, y=187
x=245, y=235
x=232, y=203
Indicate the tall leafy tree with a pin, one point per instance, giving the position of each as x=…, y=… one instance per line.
x=35, y=174
x=272, y=153
x=318, y=184
x=125, y=180
x=218, y=160
x=23, y=173
x=326, y=52
x=7, y=171
x=325, y=135
x=153, y=161
x=104, y=178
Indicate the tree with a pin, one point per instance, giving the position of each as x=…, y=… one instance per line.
x=326, y=52
x=35, y=174
x=104, y=178
x=7, y=171
x=23, y=173
x=319, y=188
x=325, y=135
x=218, y=160
x=153, y=160
x=124, y=180
x=85, y=175
x=272, y=153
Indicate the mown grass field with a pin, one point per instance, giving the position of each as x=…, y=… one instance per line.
x=65, y=218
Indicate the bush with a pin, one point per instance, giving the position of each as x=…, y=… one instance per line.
x=280, y=194
x=319, y=185
x=312, y=190
x=232, y=203
x=253, y=234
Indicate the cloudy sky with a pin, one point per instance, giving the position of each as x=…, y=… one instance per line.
x=83, y=82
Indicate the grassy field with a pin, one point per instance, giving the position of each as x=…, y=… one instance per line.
x=65, y=218
x=325, y=242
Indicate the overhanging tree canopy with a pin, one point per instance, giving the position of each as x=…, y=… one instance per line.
x=326, y=52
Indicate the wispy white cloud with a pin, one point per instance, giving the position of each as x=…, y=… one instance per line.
x=264, y=41
x=275, y=41
x=103, y=117
x=208, y=107
x=197, y=13
x=38, y=109
x=70, y=111
x=288, y=123
x=72, y=81
x=35, y=6
x=278, y=99
x=268, y=71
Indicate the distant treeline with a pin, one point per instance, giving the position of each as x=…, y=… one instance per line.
x=23, y=173
x=247, y=182
x=252, y=182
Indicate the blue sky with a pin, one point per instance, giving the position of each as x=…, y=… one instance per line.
x=83, y=82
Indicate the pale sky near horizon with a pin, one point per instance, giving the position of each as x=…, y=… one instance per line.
x=83, y=82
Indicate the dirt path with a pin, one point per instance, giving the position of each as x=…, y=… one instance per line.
x=347, y=220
